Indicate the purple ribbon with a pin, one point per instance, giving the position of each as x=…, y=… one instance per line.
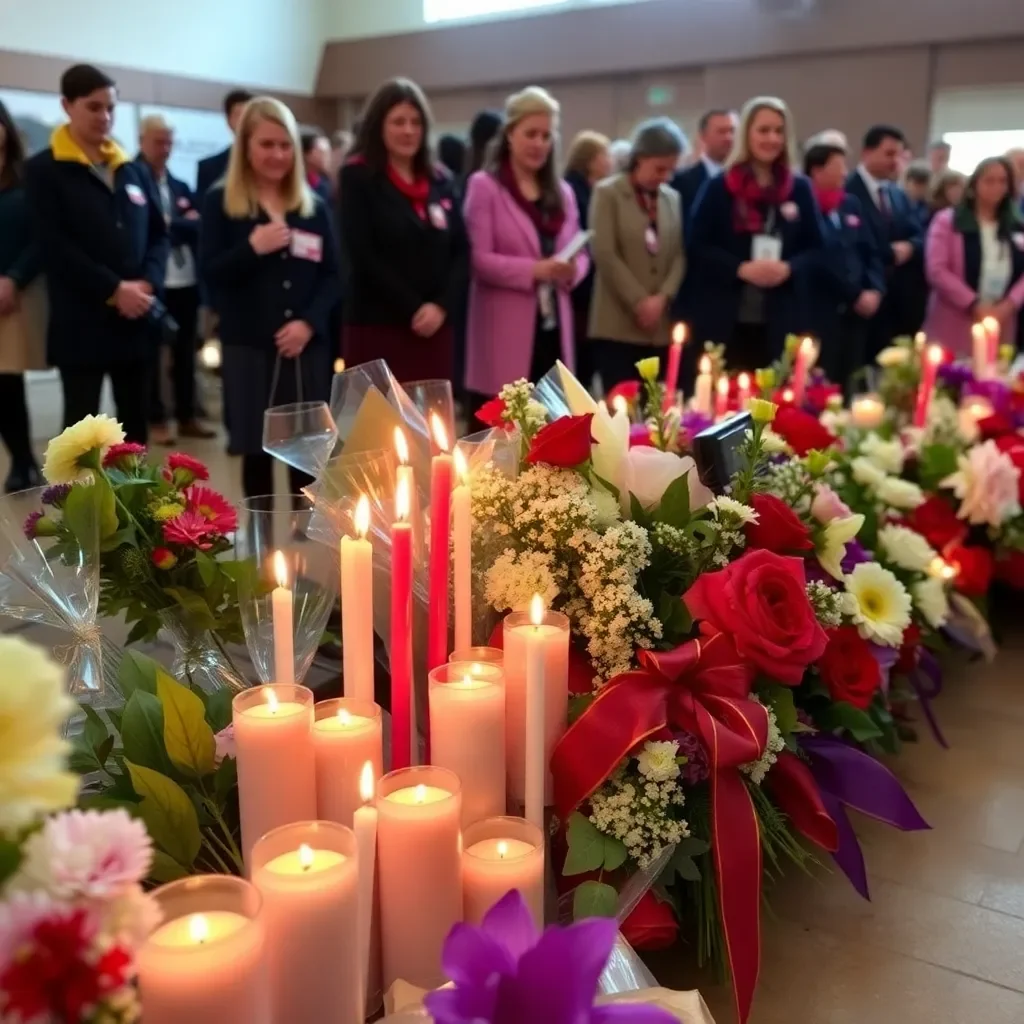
x=849, y=778
x=926, y=680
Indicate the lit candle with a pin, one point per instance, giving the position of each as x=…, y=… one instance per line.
x=537, y=662
x=991, y=325
x=284, y=629
x=404, y=470
x=722, y=397
x=979, y=351
x=347, y=734
x=929, y=370
x=805, y=356
x=920, y=340
x=972, y=409
x=787, y=396
x=275, y=759
x=941, y=569
x=403, y=739
x=620, y=407
x=467, y=734
x=365, y=827
x=500, y=854
x=206, y=964
x=419, y=838
x=462, y=543
x=357, y=606
x=308, y=876
x=440, y=551
x=743, y=390
x=702, y=392
x=867, y=412
x=675, y=357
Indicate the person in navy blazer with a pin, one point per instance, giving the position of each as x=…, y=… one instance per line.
x=104, y=245
x=267, y=252
x=844, y=288
x=212, y=168
x=754, y=230
x=898, y=231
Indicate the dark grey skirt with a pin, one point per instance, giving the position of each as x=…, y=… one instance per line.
x=250, y=388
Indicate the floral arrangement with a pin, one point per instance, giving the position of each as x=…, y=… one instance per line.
x=162, y=531
x=72, y=910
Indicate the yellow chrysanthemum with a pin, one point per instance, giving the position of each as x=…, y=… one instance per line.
x=878, y=603
x=33, y=758
x=74, y=453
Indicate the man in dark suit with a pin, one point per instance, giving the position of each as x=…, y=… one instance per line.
x=897, y=228
x=181, y=287
x=316, y=155
x=213, y=168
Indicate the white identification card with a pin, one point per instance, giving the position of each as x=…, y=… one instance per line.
x=307, y=246
x=765, y=247
x=651, y=240
x=437, y=216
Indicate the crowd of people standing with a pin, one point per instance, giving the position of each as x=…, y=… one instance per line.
x=464, y=261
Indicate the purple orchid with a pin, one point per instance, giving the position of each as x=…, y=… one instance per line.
x=996, y=391
x=692, y=423
x=506, y=972
x=856, y=553
x=886, y=658
x=955, y=376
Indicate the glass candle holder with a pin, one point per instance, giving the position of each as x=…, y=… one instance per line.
x=419, y=837
x=479, y=655
x=467, y=733
x=206, y=963
x=433, y=397
x=867, y=411
x=308, y=876
x=347, y=734
x=302, y=435
x=275, y=759
x=540, y=643
x=500, y=854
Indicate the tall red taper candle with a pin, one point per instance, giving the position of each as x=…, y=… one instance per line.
x=441, y=469
x=401, y=631
x=929, y=371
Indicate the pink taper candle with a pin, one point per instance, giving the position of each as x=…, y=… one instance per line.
x=357, y=606
x=462, y=553
x=804, y=360
x=675, y=357
x=743, y=390
x=991, y=325
x=929, y=371
x=440, y=546
x=401, y=631
x=722, y=397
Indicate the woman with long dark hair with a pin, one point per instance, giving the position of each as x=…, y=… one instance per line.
x=402, y=233
x=22, y=309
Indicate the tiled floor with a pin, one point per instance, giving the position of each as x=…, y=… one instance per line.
x=942, y=941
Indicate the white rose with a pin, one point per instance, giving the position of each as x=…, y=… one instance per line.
x=899, y=493
x=906, y=548
x=774, y=444
x=894, y=355
x=650, y=471
x=930, y=600
x=657, y=761
x=866, y=473
x=887, y=455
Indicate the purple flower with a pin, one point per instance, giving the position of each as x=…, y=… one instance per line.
x=31, y=524
x=506, y=972
x=996, y=391
x=696, y=770
x=56, y=495
x=955, y=376
x=886, y=658
x=692, y=423
x=856, y=553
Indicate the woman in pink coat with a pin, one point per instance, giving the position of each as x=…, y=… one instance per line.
x=974, y=260
x=519, y=215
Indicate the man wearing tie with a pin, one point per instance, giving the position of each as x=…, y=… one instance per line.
x=897, y=228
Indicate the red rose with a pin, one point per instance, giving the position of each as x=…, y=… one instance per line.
x=817, y=396
x=628, y=389
x=848, y=668
x=975, y=566
x=651, y=925
x=491, y=413
x=1013, y=445
x=778, y=528
x=801, y=430
x=907, y=661
x=761, y=601
x=936, y=521
x=565, y=443
x=1010, y=569
x=995, y=426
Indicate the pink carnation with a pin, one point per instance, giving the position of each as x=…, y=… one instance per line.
x=226, y=744
x=987, y=484
x=117, y=453
x=190, y=530
x=827, y=505
x=185, y=469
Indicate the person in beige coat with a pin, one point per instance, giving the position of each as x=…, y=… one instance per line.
x=638, y=253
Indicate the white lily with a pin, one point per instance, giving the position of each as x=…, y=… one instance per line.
x=837, y=534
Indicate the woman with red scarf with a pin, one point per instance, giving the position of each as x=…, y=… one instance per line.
x=756, y=229
x=846, y=287
x=402, y=238
x=520, y=216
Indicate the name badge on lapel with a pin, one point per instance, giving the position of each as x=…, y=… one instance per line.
x=307, y=246
x=765, y=247
x=135, y=194
x=651, y=240
x=437, y=216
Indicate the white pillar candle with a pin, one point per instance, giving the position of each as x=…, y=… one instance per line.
x=547, y=643
x=867, y=412
x=347, y=733
x=365, y=827
x=357, y=607
x=806, y=355
x=467, y=733
x=703, y=388
x=284, y=628
x=743, y=390
x=308, y=876
x=462, y=553
x=206, y=964
x=275, y=759
x=979, y=351
x=500, y=854
x=419, y=858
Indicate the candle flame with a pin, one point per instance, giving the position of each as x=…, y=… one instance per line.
x=305, y=856
x=619, y=404
x=723, y=386
x=339, y=365
x=991, y=324
x=438, y=431
x=679, y=334
x=935, y=354
x=787, y=395
x=941, y=569
x=978, y=332
x=280, y=569
x=272, y=700
x=461, y=465
x=920, y=340
x=401, y=447
x=537, y=609
x=705, y=364
x=366, y=782
x=198, y=928
x=475, y=668
x=807, y=345
x=362, y=516
x=420, y=794
x=502, y=849
x=402, y=500
x=744, y=381
x=344, y=716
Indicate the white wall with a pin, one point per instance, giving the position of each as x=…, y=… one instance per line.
x=275, y=44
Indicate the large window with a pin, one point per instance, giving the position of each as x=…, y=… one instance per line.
x=453, y=10
x=968, y=149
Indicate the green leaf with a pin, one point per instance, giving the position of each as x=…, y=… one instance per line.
x=936, y=462
x=607, y=485
x=82, y=760
x=170, y=818
x=137, y=672
x=859, y=724
x=207, y=568
x=675, y=617
x=781, y=700
x=104, y=749
x=218, y=709
x=194, y=605
x=586, y=846
x=114, y=716
x=103, y=802
x=188, y=738
x=594, y=899
x=691, y=846
x=107, y=505
x=165, y=868
x=142, y=732
x=96, y=732
x=674, y=507
x=126, y=535
x=10, y=859
x=614, y=853
x=225, y=780
x=638, y=513
x=82, y=514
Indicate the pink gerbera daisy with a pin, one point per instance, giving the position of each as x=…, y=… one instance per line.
x=184, y=469
x=213, y=507
x=121, y=456
x=190, y=530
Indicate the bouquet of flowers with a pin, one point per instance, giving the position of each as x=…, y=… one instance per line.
x=72, y=911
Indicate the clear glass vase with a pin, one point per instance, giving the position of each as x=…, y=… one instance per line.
x=200, y=659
